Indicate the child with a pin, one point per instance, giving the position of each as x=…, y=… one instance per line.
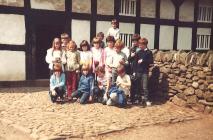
x=64, y=40
x=143, y=58
x=114, y=30
x=54, y=54
x=118, y=58
x=132, y=68
x=123, y=81
x=102, y=82
x=100, y=36
x=85, y=86
x=98, y=54
x=57, y=83
x=109, y=51
x=72, y=61
x=85, y=54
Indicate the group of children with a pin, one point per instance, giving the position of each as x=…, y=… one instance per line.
x=95, y=73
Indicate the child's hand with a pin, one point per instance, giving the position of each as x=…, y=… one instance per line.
x=122, y=62
x=132, y=54
x=90, y=98
x=140, y=61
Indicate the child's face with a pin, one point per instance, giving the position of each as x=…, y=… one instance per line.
x=122, y=74
x=100, y=37
x=84, y=48
x=117, y=50
x=96, y=45
x=134, y=43
x=114, y=25
x=57, y=73
x=110, y=44
x=85, y=72
x=71, y=47
x=57, y=44
x=64, y=41
x=142, y=46
x=100, y=74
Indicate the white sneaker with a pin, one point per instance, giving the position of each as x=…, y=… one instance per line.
x=148, y=103
x=53, y=93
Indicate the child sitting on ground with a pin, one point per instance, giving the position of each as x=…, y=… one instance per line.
x=101, y=86
x=57, y=83
x=123, y=81
x=85, y=86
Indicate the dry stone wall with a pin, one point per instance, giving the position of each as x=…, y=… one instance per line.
x=185, y=78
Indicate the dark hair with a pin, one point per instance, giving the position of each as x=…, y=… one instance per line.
x=110, y=38
x=84, y=43
x=136, y=37
x=115, y=21
x=101, y=34
x=100, y=69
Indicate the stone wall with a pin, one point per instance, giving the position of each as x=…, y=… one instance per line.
x=185, y=78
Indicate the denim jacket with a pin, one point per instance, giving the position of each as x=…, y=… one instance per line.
x=86, y=84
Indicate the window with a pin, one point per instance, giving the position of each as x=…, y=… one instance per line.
x=203, y=42
x=205, y=13
x=126, y=38
x=128, y=8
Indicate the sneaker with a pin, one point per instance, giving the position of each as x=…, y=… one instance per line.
x=148, y=103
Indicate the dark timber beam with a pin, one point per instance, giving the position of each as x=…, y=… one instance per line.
x=157, y=25
x=194, y=27
x=138, y=14
x=93, y=19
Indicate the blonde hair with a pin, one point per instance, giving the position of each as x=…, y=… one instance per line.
x=71, y=44
x=53, y=43
x=119, y=44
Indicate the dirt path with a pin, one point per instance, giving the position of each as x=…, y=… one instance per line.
x=201, y=129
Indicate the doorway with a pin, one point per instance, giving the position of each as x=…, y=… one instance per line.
x=45, y=33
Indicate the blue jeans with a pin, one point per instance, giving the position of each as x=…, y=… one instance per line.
x=144, y=85
x=84, y=96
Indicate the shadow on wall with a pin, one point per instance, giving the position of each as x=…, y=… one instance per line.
x=158, y=86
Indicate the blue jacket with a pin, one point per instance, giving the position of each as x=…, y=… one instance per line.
x=54, y=83
x=86, y=84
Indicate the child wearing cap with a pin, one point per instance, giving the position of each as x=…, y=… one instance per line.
x=100, y=36
x=57, y=83
x=114, y=30
x=118, y=58
x=143, y=58
x=98, y=54
x=72, y=65
x=109, y=51
x=85, y=54
x=85, y=86
x=54, y=54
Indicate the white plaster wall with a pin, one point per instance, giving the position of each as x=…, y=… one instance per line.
x=103, y=26
x=148, y=31
x=12, y=29
x=127, y=28
x=12, y=66
x=58, y=5
x=184, y=38
x=166, y=37
x=204, y=31
x=80, y=31
x=167, y=9
x=148, y=8
x=187, y=11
